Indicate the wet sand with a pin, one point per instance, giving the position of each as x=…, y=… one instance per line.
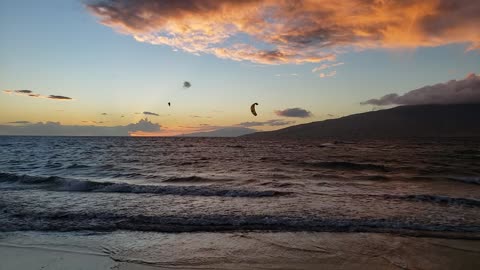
x=144, y=251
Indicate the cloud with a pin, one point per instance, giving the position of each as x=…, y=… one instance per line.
x=273, y=122
x=95, y=122
x=326, y=66
x=287, y=75
x=19, y=122
x=143, y=125
x=294, y=112
x=30, y=93
x=59, y=97
x=151, y=113
x=328, y=74
x=23, y=91
x=453, y=92
x=199, y=116
x=57, y=129
x=285, y=31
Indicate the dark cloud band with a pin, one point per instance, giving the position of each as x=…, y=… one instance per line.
x=452, y=92
x=57, y=129
x=30, y=93
x=294, y=112
x=59, y=97
x=151, y=113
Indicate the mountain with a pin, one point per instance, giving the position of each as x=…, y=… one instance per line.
x=223, y=132
x=462, y=120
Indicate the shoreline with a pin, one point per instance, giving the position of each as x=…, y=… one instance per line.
x=124, y=250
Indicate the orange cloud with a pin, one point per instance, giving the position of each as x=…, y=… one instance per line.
x=285, y=31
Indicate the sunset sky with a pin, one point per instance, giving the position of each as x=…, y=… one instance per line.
x=109, y=64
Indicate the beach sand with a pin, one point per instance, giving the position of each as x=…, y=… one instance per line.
x=234, y=251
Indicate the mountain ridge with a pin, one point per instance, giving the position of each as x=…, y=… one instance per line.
x=454, y=120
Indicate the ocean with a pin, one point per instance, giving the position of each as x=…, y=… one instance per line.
x=217, y=193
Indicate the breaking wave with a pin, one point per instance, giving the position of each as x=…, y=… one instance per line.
x=106, y=221
x=465, y=179
x=436, y=199
x=193, y=179
x=55, y=183
x=344, y=165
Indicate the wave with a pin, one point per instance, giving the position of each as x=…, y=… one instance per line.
x=344, y=165
x=465, y=179
x=78, y=166
x=436, y=199
x=372, y=177
x=193, y=179
x=55, y=183
x=108, y=221
x=235, y=146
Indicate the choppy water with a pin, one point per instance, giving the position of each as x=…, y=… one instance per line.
x=216, y=184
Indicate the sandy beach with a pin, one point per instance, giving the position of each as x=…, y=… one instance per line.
x=234, y=251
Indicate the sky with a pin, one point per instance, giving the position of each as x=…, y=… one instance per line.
x=110, y=67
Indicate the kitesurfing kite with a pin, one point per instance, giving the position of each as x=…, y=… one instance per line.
x=186, y=84
x=168, y=104
x=252, y=108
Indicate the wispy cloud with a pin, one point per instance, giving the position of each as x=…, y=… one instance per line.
x=453, y=92
x=294, y=112
x=95, y=122
x=199, y=116
x=293, y=31
x=328, y=74
x=151, y=113
x=19, y=122
x=30, y=93
x=23, y=91
x=59, y=97
x=326, y=66
x=287, y=75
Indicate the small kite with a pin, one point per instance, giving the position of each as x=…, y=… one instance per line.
x=252, y=108
x=168, y=104
x=186, y=84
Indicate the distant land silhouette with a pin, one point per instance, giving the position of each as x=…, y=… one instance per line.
x=462, y=120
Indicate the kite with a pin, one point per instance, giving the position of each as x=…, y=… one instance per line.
x=252, y=108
